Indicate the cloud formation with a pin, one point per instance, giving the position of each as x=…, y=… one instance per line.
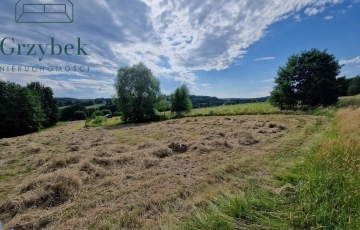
x=189, y=35
x=264, y=59
x=351, y=61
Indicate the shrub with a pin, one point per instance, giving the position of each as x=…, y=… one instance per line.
x=69, y=112
x=106, y=111
x=97, y=113
x=79, y=115
x=98, y=121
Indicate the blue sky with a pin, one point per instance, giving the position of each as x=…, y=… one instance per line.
x=223, y=48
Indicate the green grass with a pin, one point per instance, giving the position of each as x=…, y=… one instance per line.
x=240, y=109
x=58, y=124
x=256, y=209
x=106, y=122
x=261, y=108
x=260, y=204
x=6, y=177
x=345, y=102
x=94, y=106
x=324, y=190
x=329, y=181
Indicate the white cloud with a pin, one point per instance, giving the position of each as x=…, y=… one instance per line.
x=314, y=10
x=268, y=80
x=328, y=17
x=351, y=61
x=206, y=85
x=297, y=17
x=264, y=59
x=191, y=35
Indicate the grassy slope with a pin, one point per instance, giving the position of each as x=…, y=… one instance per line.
x=126, y=177
x=240, y=109
x=319, y=187
x=329, y=184
x=269, y=184
x=266, y=202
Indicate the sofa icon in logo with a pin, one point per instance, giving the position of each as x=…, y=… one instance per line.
x=44, y=11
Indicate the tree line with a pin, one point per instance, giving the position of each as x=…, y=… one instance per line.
x=26, y=109
x=80, y=112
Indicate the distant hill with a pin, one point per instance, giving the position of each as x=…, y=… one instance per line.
x=207, y=101
x=66, y=101
x=197, y=101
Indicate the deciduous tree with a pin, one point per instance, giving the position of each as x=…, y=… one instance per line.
x=20, y=110
x=180, y=101
x=354, y=86
x=307, y=79
x=49, y=104
x=137, y=93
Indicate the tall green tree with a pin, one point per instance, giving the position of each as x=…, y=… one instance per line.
x=343, y=83
x=180, y=101
x=20, y=110
x=137, y=93
x=307, y=79
x=354, y=86
x=163, y=104
x=49, y=104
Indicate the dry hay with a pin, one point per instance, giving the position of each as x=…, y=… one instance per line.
x=142, y=170
x=246, y=138
x=47, y=191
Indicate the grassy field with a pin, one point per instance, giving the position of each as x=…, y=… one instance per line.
x=264, y=171
x=240, y=109
x=319, y=192
x=94, y=106
x=329, y=180
x=142, y=176
x=353, y=101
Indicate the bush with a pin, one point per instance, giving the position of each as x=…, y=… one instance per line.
x=230, y=103
x=97, y=113
x=79, y=115
x=112, y=108
x=68, y=113
x=116, y=114
x=106, y=111
x=98, y=121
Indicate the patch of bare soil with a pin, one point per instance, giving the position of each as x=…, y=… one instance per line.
x=137, y=175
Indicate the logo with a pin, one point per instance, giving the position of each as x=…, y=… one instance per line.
x=44, y=11
x=41, y=49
